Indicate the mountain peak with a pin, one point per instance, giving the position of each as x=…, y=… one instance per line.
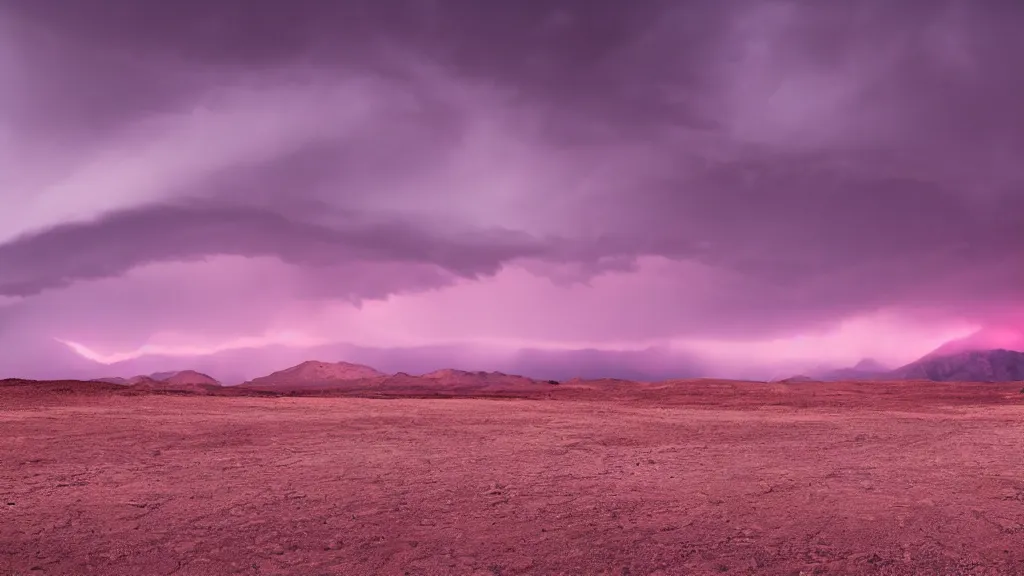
x=866, y=369
x=870, y=365
x=190, y=377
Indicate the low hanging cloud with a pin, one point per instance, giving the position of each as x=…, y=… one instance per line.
x=100, y=249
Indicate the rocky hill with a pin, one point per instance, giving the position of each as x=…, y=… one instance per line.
x=188, y=377
x=316, y=374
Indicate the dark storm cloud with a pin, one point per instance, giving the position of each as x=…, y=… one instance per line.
x=649, y=60
x=868, y=158
x=265, y=31
x=789, y=219
x=95, y=58
x=850, y=155
x=121, y=241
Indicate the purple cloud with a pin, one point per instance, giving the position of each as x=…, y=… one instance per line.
x=545, y=175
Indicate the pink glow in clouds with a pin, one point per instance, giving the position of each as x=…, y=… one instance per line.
x=496, y=316
x=720, y=189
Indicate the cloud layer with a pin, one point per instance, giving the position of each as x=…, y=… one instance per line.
x=709, y=178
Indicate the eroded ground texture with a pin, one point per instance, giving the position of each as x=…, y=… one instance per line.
x=693, y=478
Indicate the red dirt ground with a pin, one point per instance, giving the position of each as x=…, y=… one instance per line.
x=601, y=478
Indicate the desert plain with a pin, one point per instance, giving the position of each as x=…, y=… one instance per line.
x=697, y=477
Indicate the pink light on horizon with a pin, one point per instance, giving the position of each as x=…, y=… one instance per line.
x=290, y=339
x=516, y=310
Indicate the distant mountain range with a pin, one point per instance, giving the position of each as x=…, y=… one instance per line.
x=967, y=359
x=967, y=366
x=186, y=380
x=242, y=365
x=313, y=377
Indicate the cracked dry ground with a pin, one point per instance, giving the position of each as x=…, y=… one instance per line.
x=154, y=485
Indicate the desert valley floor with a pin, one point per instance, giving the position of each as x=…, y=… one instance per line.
x=687, y=478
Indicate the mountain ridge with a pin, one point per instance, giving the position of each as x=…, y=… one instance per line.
x=940, y=365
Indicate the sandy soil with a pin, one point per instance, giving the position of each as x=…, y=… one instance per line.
x=698, y=478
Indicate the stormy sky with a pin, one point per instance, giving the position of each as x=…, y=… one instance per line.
x=743, y=186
